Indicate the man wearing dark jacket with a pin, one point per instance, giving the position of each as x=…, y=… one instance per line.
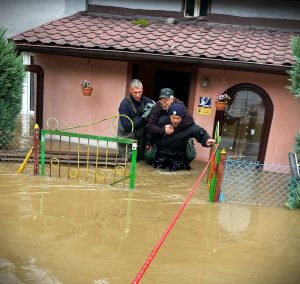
x=171, y=149
x=160, y=113
x=133, y=107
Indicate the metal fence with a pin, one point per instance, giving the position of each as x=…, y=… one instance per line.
x=248, y=182
x=11, y=156
x=82, y=157
x=15, y=146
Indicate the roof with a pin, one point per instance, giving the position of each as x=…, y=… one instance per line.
x=181, y=39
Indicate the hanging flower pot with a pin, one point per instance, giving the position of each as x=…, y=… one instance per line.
x=220, y=105
x=87, y=91
x=221, y=101
x=86, y=87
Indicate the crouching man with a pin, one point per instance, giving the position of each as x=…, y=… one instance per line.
x=171, y=149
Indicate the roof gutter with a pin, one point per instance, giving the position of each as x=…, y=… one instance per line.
x=152, y=57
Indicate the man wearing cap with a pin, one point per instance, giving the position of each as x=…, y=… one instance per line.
x=133, y=107
x=171, y=149
x=160, y=113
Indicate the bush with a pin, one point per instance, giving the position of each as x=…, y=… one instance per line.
x=294, y=194
x=294, y=73
x=12, y=74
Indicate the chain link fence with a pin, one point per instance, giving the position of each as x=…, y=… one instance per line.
x=248, y=182
x=15, y=146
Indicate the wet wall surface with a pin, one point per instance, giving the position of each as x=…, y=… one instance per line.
x=59, y=231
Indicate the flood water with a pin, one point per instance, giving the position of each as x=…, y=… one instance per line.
x=59, y=231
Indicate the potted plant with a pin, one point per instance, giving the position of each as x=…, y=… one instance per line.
x=221, y=101
x=86, y=87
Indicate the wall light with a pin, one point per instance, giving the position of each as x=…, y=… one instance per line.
x=205, y=83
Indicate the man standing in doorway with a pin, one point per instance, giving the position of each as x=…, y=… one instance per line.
x=133, y=107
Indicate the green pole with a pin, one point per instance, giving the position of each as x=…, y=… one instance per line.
x=212, y=189
x=133, y=165
x=42, y=172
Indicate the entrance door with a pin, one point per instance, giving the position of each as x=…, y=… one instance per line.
x=157, y=76
x=246, y=123
x=178, y=81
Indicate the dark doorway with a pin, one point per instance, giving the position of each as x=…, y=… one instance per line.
x=156, y=76
x=178, y=81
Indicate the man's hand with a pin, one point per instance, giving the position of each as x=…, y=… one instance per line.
x=169, y=129
x=210, y=141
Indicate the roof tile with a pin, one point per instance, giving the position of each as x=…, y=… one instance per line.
x=201, y=39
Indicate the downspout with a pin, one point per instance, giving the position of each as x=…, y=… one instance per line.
x=38, y=70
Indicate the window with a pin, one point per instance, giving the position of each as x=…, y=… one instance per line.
x=32, y=87
x=195, y=8
x=246, y=122
x=28, y=96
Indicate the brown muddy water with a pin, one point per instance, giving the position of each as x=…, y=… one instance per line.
x=59, y=231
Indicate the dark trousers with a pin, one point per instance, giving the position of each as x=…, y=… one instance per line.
x=137, y=134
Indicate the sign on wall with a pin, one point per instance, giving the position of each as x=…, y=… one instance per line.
x=204, y=106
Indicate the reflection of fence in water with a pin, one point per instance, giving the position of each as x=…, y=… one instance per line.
x=86, y=157
x=248, y=182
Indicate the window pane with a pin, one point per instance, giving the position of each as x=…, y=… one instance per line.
x=204, y=7
x=242, y=125
x=189, y=7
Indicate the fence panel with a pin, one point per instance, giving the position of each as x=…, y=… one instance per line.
x=248, y=182
x=86, y=157
x=15, y=146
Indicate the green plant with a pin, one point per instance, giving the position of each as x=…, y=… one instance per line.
x=294, y=88
x=222, y=98
x=85, y=84
x=294, y=73
x=12, y=73
x=141, y=22
x=293, y=194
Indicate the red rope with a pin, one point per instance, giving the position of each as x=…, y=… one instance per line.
x=146, y=264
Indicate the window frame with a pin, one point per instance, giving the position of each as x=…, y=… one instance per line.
x=199, y=5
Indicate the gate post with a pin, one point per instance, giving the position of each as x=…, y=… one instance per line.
x=219, y=174
x=36, y=146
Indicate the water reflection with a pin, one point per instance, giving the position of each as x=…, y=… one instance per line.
x=84, y=233
x=234, y=219
x=8, y=272
x=24, y=272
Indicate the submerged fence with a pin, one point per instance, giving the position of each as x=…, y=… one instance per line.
x=86, y=157
x=71, y=155
x=247, y=182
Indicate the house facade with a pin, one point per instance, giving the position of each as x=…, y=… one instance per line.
x=198, y=48
x=18, y=16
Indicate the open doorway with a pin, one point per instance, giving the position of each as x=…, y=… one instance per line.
x=178, y=81
x=157, y=76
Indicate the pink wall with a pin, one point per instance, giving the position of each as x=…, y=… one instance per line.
x=63, y=98
x=286, y=117
x=64, y=101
